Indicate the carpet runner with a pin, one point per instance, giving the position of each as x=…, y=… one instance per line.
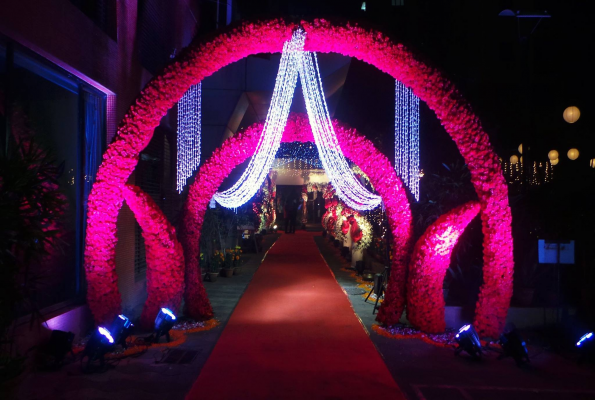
x=294, y=335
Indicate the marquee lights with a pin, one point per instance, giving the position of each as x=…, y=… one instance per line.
x=348, y=188
x=258, y=168
x=189, y=128
x=407, y=137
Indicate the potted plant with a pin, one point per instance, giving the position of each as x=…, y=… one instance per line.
x=214, y=267
x=228, y=264
x=237, y=260
x=31, y=208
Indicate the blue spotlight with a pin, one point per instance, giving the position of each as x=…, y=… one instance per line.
x=99, y=344
x=587, y=338
x=586, y=347
x=468, y=340
x=163, y=323
x=514, y=346
x=121, y=328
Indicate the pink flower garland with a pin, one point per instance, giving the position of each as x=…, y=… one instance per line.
x=429, y=262
x=165, y=257
x=203, y=59
x=240, y=147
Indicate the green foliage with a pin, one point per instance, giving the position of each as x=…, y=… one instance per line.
x=30, y=206
x=228, y=259
x=219, y=231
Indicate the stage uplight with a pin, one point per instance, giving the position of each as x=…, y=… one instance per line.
x=163, y=323
x=468, y=341
x=121, y=328
x=101, y=342
x=52, y=354
x=586, y=347
x=514, y=346
x=584, y=339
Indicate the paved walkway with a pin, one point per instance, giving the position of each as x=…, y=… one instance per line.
x=294, y=335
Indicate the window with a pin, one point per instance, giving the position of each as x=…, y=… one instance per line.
x=67, y=117
x=397, y=3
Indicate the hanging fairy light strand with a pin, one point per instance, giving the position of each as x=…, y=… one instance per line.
x=348, y=188
x=407, y=137
x=189, y=129
x=270, y=139
x=294, y=62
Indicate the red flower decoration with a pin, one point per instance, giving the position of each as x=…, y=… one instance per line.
x=165, y=257
x=429, y=262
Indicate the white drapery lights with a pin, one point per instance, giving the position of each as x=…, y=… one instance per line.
x=349, y=189
x=270, y=139
x=188, y=134
x=407, y=137
x=295, y=61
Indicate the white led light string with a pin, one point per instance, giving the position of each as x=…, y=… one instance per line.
x=348, y=188
x=295, y=61
x=270, y=139
x=189, y=115
x=407, y=137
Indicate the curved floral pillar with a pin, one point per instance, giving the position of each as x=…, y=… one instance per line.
x=429, y=262
x=242, y=146
x=202, y=59
x=165, y=257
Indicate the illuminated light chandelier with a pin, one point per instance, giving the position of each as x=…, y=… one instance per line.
x=270, y=139
x=189, y=128
x=407, y=137
x=348, y=188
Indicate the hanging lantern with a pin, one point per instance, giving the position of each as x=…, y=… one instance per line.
x=572, y=154
x=571, y=114
x=521, y=148
x=554, y=161
x=514, y=159
x=592, y=163
x=552, y=155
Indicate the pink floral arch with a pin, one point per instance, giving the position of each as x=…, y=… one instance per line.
x=237, y=149
x=165, y=257
x=429, y=262
x=202, y=59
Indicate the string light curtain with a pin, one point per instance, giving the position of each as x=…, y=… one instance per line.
x=407, y=137
x=189, y=128
x=268, y=144
x=348, y=188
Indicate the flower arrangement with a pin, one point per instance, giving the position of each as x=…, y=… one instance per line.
x=202, y=59
x=229, y=259
x=237, y=256
x=217, y=261
x=165, y=257
x=363, y=239
x=429, y=263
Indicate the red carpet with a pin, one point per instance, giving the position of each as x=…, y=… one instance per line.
x=294, y=335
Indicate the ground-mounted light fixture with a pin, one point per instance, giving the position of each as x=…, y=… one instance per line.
x=163, y=323
x=514, y=346
x=120, y=329
x=100, y=343
x=586, y=347
x=56, y=349
x=468, y=340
